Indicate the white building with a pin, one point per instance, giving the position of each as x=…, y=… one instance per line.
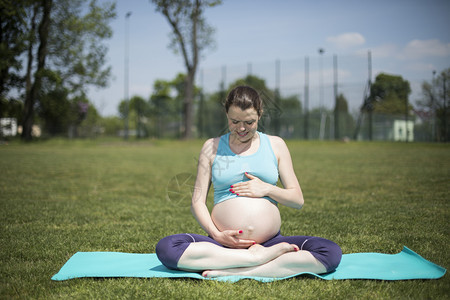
x=8, y=126
x=403, y=131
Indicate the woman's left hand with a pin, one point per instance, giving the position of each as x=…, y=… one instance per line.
x=254, y=188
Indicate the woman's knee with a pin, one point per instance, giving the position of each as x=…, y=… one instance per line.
x=334, y=256
x=170, y=248
x=326, y=251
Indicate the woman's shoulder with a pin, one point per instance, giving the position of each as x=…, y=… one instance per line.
x=209, y=148
x=276, y=141
x=278, y=145
x=213, y=141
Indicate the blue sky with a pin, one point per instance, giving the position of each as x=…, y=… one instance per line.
x=407, y=38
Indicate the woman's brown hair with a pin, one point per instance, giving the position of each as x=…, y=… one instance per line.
x=244, y=97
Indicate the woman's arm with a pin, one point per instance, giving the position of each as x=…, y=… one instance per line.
x=229, y=238
x=201, y=188
x=291, y=195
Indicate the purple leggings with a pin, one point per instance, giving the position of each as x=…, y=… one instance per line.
x=170, y=248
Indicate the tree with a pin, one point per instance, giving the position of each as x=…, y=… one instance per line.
x=159, y=101
x=291, y=110
x=165, y=105
x=33, y=89
x=389, y=95
x=434, y=104
x=111, y=125
x=191, y=36
x=214, y=121
x=78, y=53
x=12, y=45
x=59, y=44
x=89, y=120
x=77, y=57
x=140, y=107
x=345, y=121
x=55, y=108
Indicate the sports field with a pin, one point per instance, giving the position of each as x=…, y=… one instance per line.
x=59, y=197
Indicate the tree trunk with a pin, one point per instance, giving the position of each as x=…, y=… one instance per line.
x=191, y=68
x=188, y=104
x=30, y=51
x=33, y=92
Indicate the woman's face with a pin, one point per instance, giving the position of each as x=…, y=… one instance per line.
x=242, y=123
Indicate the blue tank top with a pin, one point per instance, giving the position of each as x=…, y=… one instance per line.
x=228, y=168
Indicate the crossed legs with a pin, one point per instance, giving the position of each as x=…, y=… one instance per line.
x=279, y=257
x=287, y=264
x=206, y=256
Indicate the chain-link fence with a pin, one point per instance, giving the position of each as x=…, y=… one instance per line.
x=315, y=82
x=300, y=103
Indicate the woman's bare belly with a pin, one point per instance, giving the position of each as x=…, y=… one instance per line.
x=258, y=218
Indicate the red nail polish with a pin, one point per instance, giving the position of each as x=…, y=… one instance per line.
x=240, y=231
x=254, y=243
x=237, y=194
x=231, y=191
x=231, y=186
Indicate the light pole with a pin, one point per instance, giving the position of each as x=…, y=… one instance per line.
x=323, y=117
x=321, y=52
x=126, y=79
x=433, y=112
x=336, y=104
x=306, y=132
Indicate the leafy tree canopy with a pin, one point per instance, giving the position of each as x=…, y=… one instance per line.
x=52, y=51
x=191, y=35
x=389, y=94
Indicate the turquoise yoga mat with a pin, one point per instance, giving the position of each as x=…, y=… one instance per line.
x=401, y=266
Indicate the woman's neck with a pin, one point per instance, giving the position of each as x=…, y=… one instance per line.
x=239, y=147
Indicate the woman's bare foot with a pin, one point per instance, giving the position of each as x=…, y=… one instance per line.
x=262, y=255
x=225, y=272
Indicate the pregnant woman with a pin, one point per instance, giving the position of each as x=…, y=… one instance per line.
x=243, y=228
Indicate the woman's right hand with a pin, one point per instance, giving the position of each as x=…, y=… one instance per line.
x=231, y=239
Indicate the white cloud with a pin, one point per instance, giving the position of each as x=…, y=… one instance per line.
x=381, y=51
x=347, y=40
x=414, y=50
x=421, y=67
x=140, y=89
x=426, y=48
x=386, y=50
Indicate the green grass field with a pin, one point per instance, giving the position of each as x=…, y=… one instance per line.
x=59, y=197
